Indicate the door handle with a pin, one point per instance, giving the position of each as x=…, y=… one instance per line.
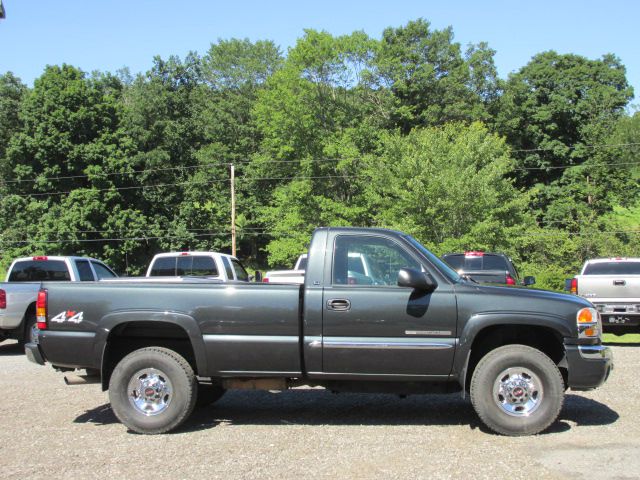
x=619, y=283
x=339, y=304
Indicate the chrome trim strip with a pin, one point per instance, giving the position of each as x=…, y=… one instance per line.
x=444, y=333
x=250, y=338
x=594, y=352
x=386, y=345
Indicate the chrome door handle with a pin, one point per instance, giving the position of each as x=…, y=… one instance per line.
x=339, y=304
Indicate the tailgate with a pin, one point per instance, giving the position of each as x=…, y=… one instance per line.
x=602, y=287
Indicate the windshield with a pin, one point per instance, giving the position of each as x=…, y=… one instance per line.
x=435, y=261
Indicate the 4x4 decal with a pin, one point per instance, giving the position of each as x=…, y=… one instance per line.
x=68, y=316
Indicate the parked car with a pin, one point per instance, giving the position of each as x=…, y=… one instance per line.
x=613, y=286
x=421, y=328
x=18, y=294
x=485, y=267
x=212, y=265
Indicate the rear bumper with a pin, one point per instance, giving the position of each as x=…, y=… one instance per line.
x=589, y=365
x=32, y=350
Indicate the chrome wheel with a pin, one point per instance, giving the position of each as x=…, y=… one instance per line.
x=150, y=391
x=518, y=391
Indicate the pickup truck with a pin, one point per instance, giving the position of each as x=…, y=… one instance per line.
x=613, y=286
x=18, y=294
x=160, y=347
x=485, y=267
x=197, y=264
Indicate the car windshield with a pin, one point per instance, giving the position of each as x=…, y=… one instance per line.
x=439, y=264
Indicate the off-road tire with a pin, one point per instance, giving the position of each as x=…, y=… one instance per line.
x=488, y=373
x=176, y=371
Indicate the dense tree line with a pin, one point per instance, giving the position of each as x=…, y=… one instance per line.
x=408, y=131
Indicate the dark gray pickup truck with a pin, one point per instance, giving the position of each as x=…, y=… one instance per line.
x=416, y=326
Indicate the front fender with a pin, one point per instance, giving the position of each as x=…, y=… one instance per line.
x=186, y=322
x=478, y=322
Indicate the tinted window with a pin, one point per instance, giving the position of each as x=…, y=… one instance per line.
x=471, y=263
x=302, y=265
x=164, y=267
x=84, y=271
x=227, y=268
x=241, y=273
x=102, y=271
x=183, y=265
x=613, y=268
x=39, y=270
x=383, y=259
x=204, y=267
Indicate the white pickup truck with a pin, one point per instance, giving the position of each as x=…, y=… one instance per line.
x=613, y=286
x=358, y=268
x=19, y=292
x=212, y=265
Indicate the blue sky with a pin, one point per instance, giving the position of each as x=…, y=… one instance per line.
x=108, y=35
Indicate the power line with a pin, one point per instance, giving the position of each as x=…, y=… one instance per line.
x=192, y=183
x=268, y=232
x=310, y=160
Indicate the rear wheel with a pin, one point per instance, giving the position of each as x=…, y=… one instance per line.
x=153, y=390
x=517, y=390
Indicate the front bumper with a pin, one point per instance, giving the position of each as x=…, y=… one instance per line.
x=589, y=365
x=32, y=350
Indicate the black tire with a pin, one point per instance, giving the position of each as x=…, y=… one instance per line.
x=153, y=390
x=29, y=332
x=208, y=394
x=529, y=376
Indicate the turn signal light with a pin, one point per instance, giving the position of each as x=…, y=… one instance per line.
x=585, y=316
x=41, y=309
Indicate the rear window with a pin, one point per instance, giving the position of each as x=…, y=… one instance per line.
x=184, y=265
x=84, y=270
x=39, y=270
x=102, y=271
x=612, y=268
x=469, y=264
x=164, y=267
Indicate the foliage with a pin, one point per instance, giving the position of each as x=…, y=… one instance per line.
x=407, y=131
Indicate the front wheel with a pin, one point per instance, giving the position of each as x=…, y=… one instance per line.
x=153, y=390
x=517, y=390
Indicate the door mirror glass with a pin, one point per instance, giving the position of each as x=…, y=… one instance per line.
x=412, y=278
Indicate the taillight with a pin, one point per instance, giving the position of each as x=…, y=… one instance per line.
x=574, y=286
x=265, y=280
x=475, y=253
x=40, y=258
x=510, y=280
x=41, y=309
x=3, y=299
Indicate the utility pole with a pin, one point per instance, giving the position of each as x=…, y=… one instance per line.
x=233, y=210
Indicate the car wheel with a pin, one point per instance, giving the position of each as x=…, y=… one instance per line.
x=517, y=390
x=153, y=390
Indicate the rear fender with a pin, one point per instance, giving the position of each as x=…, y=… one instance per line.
x=186, y=322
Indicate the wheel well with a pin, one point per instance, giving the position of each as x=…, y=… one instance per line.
x=22, y=329
x=544, y=339
x=130, y=336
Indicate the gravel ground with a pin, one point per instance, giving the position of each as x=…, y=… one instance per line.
x=49, y=430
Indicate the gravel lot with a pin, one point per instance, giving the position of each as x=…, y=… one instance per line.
x=50, y=430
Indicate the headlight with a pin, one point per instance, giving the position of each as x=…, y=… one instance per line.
x=589, y=324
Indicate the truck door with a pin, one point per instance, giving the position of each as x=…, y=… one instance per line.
x=371, y=326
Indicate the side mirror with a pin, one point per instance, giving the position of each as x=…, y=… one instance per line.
x=412, y=278
x=528, y=281
x=258, y=276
